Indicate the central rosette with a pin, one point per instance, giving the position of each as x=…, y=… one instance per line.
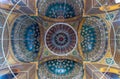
x=61, y=38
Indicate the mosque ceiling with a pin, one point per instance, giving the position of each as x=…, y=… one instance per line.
x=59, y=39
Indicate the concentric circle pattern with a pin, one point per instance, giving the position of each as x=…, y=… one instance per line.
x=61, y=39
x=25, y=39
x=60, y=68
x=93, y=38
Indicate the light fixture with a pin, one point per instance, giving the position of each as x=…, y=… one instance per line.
x=117, y=1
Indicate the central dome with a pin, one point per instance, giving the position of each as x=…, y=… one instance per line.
x=61, y=38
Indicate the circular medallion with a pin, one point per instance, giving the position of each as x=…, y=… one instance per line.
x=61, y=39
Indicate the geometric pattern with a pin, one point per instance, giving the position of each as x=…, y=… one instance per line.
x=25, y=39
x=60, y=69
x=94, y=38
x=60, y=10
x=89, y=35
x=61, y=38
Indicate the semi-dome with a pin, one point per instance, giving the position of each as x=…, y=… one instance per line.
x=60, y=9
x=60, y=68
x=25, y=39
x=93, y=38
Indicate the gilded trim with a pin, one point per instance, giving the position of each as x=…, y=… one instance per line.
x=60, y=20
x=111, y=70
x=79, y=38
x=60, y=57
